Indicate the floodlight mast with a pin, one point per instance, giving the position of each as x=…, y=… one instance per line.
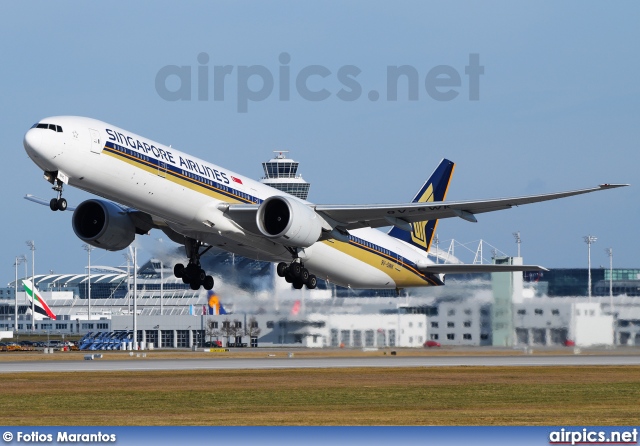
x=32, y=246
x=518, y=240
x=609, y=252
x=19, y=259
x=589, y=240
x=89, y=248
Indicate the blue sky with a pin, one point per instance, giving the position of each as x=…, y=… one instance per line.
x=558, y=108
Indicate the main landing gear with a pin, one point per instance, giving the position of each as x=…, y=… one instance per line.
x=296, y=274
x=58, y=204
x=193, y=274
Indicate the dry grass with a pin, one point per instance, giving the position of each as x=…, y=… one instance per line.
x=411, y=396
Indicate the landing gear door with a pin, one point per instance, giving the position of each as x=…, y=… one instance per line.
x=96, y=143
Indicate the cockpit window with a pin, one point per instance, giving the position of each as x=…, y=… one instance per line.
x=42, y=125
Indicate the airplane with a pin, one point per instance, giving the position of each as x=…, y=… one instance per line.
x=146, y=185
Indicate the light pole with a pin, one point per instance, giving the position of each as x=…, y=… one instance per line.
x=135, y=298
x=161, y=284
x=609, y=252
x=589, y=239
x=128, y=258
x=89, y=248
x=518, y=240
x=19, y=259
x=32, y=246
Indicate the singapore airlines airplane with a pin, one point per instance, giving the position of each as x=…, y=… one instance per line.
x=200, y=205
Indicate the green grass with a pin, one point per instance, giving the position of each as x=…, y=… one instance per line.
x=415, y=396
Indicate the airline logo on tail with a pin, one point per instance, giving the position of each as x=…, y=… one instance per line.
x=435, y=189
x=215, y=306
x=40, y=307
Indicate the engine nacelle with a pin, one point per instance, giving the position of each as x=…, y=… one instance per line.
x=104, y=225
x=289, y=222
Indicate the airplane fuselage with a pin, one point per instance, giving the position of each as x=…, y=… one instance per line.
x=184, y=193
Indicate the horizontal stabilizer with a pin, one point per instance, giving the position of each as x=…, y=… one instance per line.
x=474, y=268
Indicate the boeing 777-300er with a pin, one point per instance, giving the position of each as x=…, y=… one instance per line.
x=200, y=205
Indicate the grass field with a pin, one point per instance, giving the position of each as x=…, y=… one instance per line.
x=412, y=396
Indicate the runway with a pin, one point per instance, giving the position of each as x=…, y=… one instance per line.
x=147, y=364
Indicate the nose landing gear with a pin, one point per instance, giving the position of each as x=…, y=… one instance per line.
x=58, y=204
x=296, y=274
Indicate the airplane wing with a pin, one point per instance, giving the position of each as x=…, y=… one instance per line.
x=43, y=201
x=474, y=268
x=378, y=215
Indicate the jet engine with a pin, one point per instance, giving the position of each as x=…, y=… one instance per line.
x=104, y=225
x=289, y=222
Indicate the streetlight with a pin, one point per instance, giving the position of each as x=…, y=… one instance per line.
x=609, y=252
x=19, y=259
x=89, y=248
x=128, y=259
x=518, y=240
x=32, y=246
x=589, y=239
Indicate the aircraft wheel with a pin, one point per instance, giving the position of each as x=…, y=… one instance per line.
x=53, y=204
x=195, y=285
x=282, y=269
x=312, y=282
x=208, y=283
x=296, y=269
x=178, y=270
x=297, y=284
x=186, y=279
x=304, y=275
x=62, y=204
x=288, y=277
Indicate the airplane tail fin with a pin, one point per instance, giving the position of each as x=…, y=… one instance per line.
x=215, y=306
x=40, y=307
x=434, y=189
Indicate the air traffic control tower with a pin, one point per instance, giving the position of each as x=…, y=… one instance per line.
x=281, y=173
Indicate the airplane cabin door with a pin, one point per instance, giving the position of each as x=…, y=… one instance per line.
x=96, y=145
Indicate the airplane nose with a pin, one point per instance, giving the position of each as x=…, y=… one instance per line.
x=33, y=142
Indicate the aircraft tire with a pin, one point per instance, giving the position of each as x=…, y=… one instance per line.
x=296, y=269
x=281, y=269
x=62, y=204
x=312, y=282
x=288, y=277
x=298, y=284
x=208, y=283
x=195, y=285
x=185, y=279
x=304, y=275
x=178, y=270
x=202, y=275
x=53, y=204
